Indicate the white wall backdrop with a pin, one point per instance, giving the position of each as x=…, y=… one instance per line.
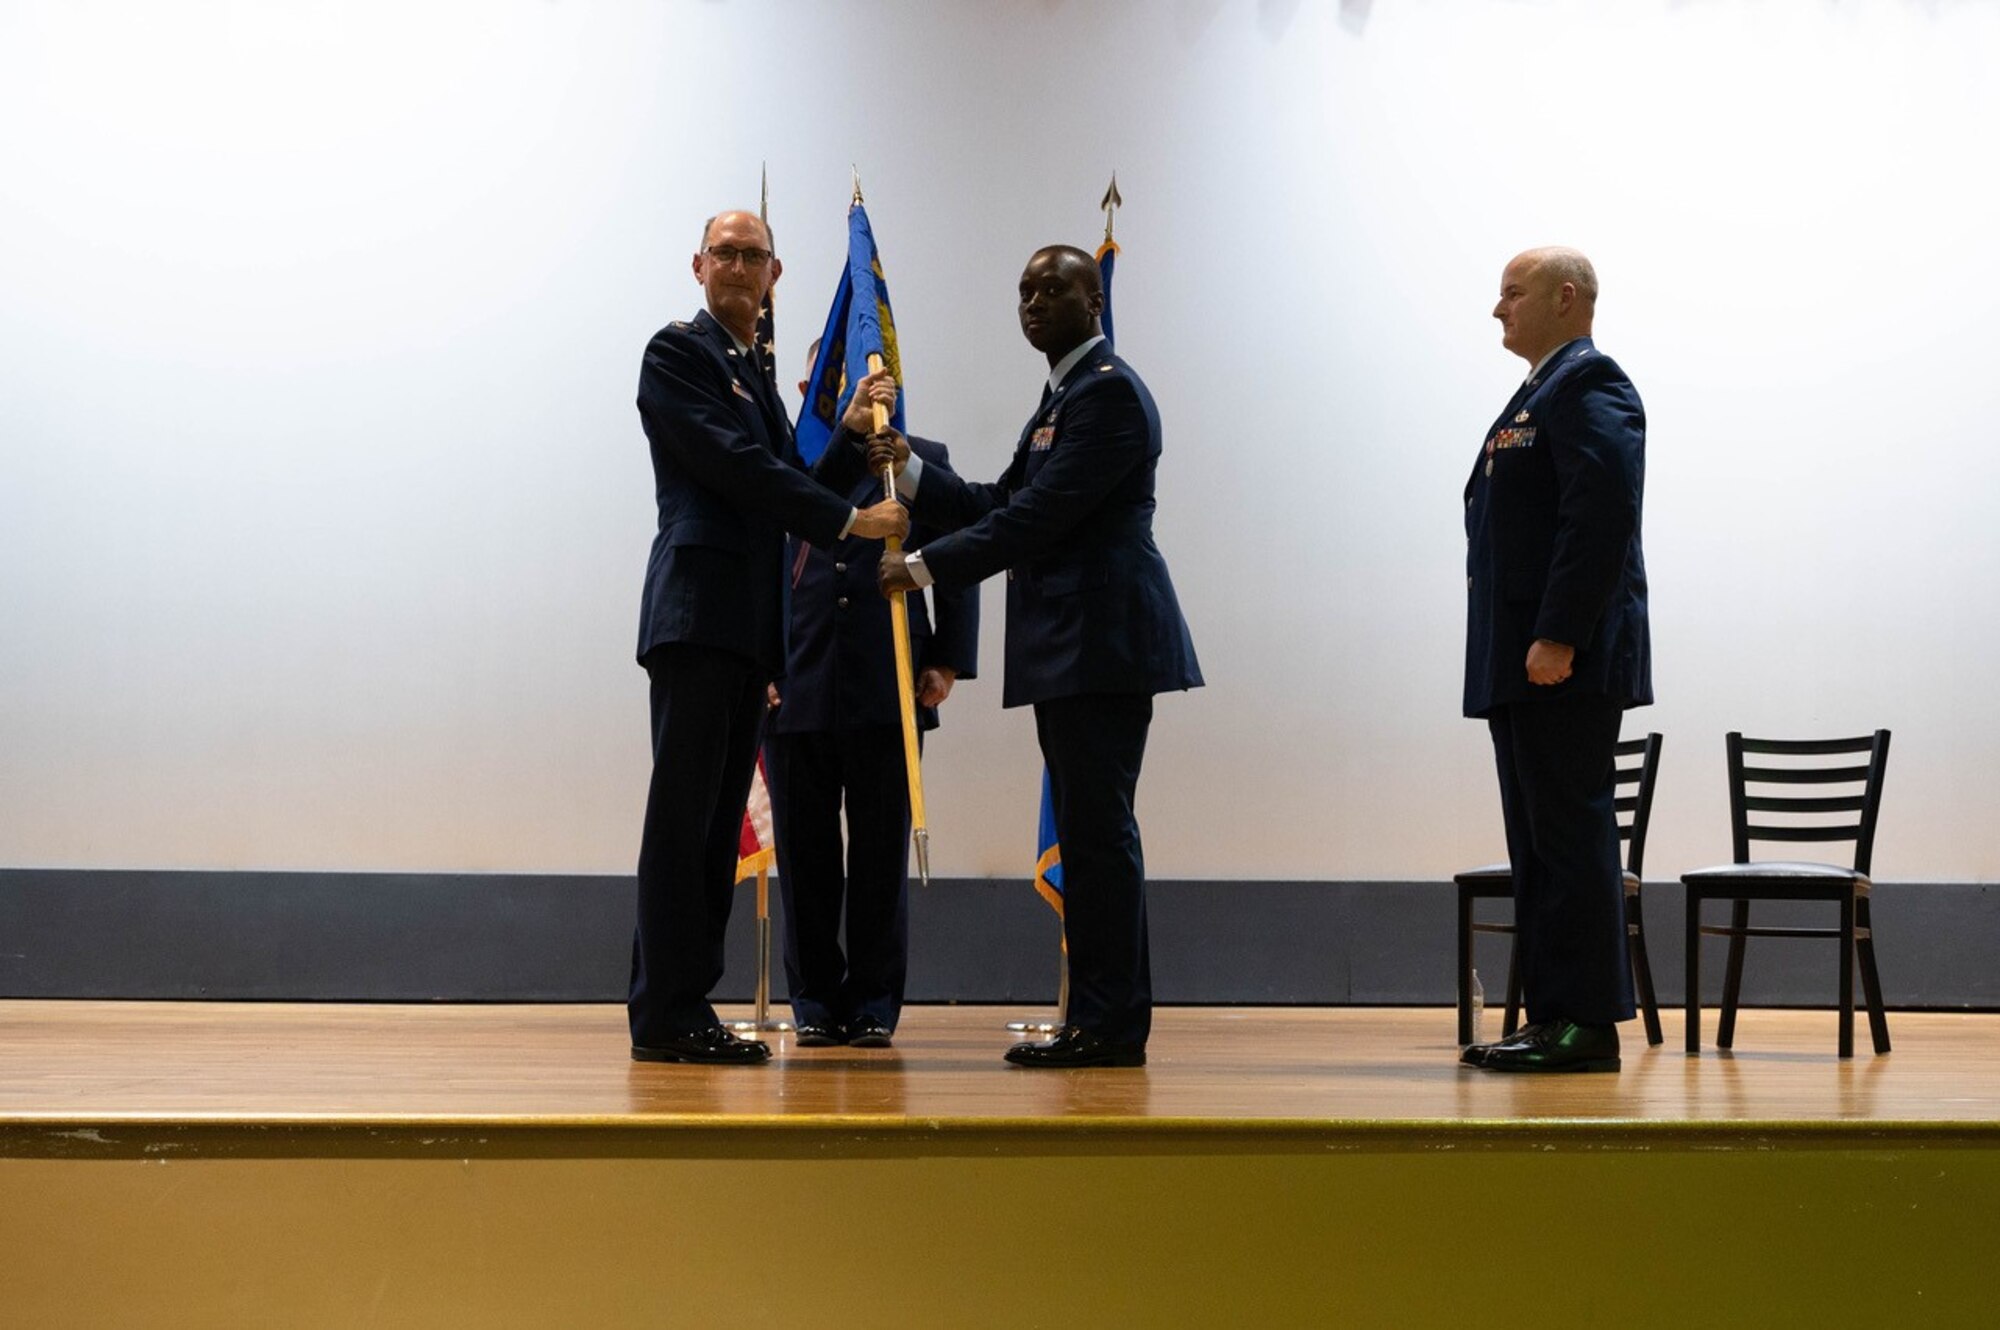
x=324, y=505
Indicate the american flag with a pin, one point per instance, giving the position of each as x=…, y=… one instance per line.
x=755, y=850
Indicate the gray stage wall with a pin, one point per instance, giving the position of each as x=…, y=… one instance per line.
x=507, y=938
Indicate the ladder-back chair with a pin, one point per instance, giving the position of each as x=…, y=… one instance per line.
x=1788, y=817
x=1635, y=780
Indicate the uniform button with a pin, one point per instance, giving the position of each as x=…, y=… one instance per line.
x=1468, y=584
x=840, y=568
x=842, y=602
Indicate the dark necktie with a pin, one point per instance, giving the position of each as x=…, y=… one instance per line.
x=760, y=377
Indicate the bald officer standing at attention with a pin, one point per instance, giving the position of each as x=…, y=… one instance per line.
x=729, y=486
x=1557, y=647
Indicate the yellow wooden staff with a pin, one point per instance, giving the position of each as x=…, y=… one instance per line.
x=906, y=689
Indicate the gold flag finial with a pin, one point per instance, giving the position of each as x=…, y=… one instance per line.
x=1111, y=203
x=857, y=182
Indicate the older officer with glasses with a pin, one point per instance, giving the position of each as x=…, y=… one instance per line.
x=729, y=486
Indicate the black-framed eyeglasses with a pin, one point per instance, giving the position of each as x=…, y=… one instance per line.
x=728, y=254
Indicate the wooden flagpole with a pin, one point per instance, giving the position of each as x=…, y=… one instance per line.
x=906, y=690
x=899, y=623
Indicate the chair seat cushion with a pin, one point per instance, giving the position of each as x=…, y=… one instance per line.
x=1485, y=875
x=1777, y=870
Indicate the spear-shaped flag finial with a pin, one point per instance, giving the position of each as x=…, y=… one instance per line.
x=1112, y=202
x=857, y=182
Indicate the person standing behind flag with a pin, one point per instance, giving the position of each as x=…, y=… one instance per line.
x=728, y=485
x=836, y=738
x=1094, y=631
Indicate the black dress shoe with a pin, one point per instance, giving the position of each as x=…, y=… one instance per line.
x=867, y=1032
x=812, y=1034
x=1559, y=1045
x=1077, y=1048
x=1474, y=1055
x=714, y=1044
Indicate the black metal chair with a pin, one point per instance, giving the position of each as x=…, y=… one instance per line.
x=1744, y=881
x=1635, y=811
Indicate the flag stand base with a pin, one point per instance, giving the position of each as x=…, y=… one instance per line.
x=760, y=1019
x=1062, y=1007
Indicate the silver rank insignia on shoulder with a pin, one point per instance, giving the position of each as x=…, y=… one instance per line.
x=1104, y=369
x=1521, y=419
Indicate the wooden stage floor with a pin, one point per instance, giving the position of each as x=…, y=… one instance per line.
x=77, y=1064
x=224, y=1165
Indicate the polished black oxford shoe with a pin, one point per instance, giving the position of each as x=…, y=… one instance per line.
x=714, y=1044
x=1474, y=1055
x=1560, y=1045
x=1073, y=1047
x=812, y=1034
x=867, y=1032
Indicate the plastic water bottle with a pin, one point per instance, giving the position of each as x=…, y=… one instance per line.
x=1478, y=1009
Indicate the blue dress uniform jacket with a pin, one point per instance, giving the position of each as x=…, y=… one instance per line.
x=1552, y=537
x=1090, y=606
x=839, y=666
x=1552, y=516
x=728, y=483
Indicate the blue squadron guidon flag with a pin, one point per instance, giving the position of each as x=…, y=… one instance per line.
x=859, y=324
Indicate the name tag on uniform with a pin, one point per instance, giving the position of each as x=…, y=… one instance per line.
x=741, y=391
x=1040, y=440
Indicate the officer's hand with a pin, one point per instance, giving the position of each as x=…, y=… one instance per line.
x=860, y=415
x=934, y=684
x=887, y=518
x=1549, y=662
x=771, y=698
x=887, y=449
x=893, y=574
